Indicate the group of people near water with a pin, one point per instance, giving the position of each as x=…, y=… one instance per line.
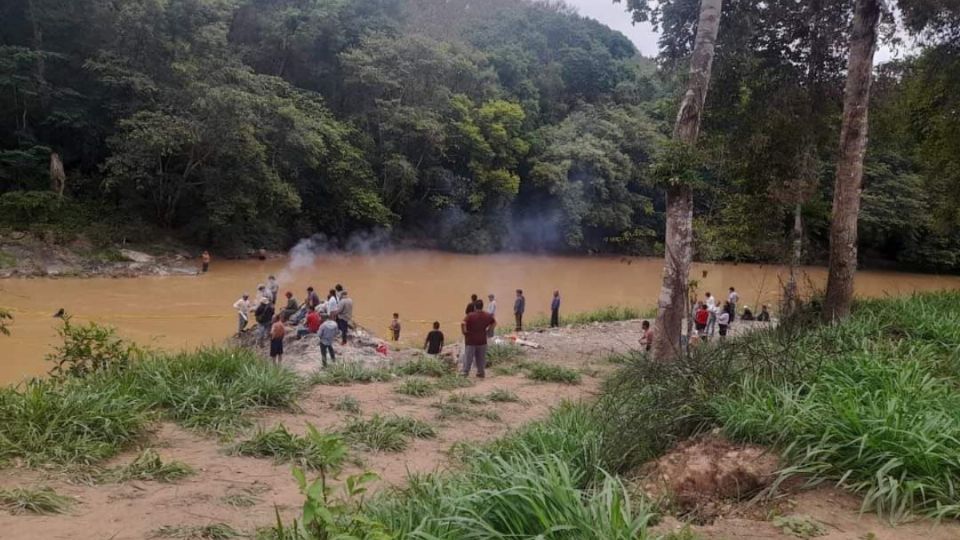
x=326, y=319
x=711, y=317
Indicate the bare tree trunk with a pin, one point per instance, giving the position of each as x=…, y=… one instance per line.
x=791, y=294
x=679, y=239
x=853, y=146
x=40, y=69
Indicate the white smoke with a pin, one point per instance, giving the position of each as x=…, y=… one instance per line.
x=306, y=252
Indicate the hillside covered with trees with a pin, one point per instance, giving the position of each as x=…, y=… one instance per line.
x=474, y=126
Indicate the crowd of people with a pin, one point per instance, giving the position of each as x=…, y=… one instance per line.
x=712, y=317
x=329, y=320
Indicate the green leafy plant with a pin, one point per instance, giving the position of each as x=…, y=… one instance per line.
x=345, y=373
x=452, y=382
x=501, y=395
x=90, y=348
x=389, y=434
x=283, y=446
x=347, y=404
x=427, y=366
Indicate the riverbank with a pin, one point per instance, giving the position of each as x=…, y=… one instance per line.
x=406, y=414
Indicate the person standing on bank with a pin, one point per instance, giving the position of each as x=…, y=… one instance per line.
x=327, y=335
x=345, y=317
x=723, y=321
x=471, y=306
x=475, y=327
x=555, y=310
x=733, y=299
x=492, y=310
x=434, y=342
x=277, y=332
x=205, y=261
x=519, y=306
x=243, y=308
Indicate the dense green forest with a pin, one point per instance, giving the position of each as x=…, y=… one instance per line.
x=470, y=125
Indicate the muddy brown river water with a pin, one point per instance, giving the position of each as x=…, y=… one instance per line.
x=187, y=311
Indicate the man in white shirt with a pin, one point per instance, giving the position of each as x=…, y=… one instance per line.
x=243, y=308
x=734, y=299
x=492, y=310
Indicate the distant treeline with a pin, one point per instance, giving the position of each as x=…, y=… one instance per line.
x=473, y=125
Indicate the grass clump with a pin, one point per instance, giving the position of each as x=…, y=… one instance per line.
x=148, y=466
x=41, y=500
x=213, y=389
x=427, y=366
x=281, y=445
x=501, y=395
x=73, y=422
x=346, y=373
x=455, y=408
x=539, y=371
x=213, y=531
x=499, y=354
x=416, y=387
x=389, y=434
x=347, y=404
x=800, y=526
x=452, y=382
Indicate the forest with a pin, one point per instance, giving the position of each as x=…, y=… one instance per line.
x=471, y=126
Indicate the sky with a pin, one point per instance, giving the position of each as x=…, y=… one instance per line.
x=643, y=36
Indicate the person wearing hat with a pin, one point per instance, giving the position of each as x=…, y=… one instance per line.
x=243, y=308
x=264, y=317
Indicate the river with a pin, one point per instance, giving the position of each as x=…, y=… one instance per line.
x=186, y=311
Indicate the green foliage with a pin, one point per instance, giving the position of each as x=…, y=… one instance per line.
x=23, y=207
x=90, y=348
x=416, y=387
x=503, y=353
x=875, y=410
x=799, y=526
x=501, y=395
x=148, y=466
x=213, y=531
x=42, y=500
x=346, y=373
x=452, y=382
x=539, y=371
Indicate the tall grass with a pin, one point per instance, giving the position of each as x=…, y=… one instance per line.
x=879, y=413
x=283, y=446
x=42, y=500
x=85, y=420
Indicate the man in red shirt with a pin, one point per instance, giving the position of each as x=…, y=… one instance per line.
x=475, y=326
x=312, y=325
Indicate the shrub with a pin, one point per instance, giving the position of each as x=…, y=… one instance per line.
x=550, y=373
x=20, y=207
x=452, y=382
x=416, y=387
x=42, y=500
x=345, y=373
x=90, y=348
x=386, y=433
x=502, y=353
x=501, y=395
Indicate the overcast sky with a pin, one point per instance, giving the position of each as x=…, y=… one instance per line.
x=642, y=35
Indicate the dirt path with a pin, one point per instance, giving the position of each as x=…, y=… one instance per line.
x=243, y=492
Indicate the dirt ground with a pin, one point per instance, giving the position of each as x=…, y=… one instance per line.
x=137, y=510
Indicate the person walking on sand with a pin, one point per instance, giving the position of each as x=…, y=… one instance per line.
x=395, y=327
x=733, y=299
x=555, y=310
x=205, y=262
x=434, y=342
x=345, y=316
x=277, y=333
x=519, y=306
x=475, y=327
x=243, y=308
x=646, y=340
x=723, y=320
x=327, y=335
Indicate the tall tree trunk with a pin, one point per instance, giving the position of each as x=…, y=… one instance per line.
x=791, y=295
x=40, y=68
x=679, y=239
x=853, y=146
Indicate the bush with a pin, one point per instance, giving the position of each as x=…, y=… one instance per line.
x=90, y=348
x=550, y=373
x=502, y=353
x=20, y=207
x=386, y=433
x=428, y=366
x=501, y=395
x=348, y=404
x=415, y=387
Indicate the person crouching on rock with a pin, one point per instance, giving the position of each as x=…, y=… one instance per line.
x=277, y=333
x=312, y=326
x=327, y=335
